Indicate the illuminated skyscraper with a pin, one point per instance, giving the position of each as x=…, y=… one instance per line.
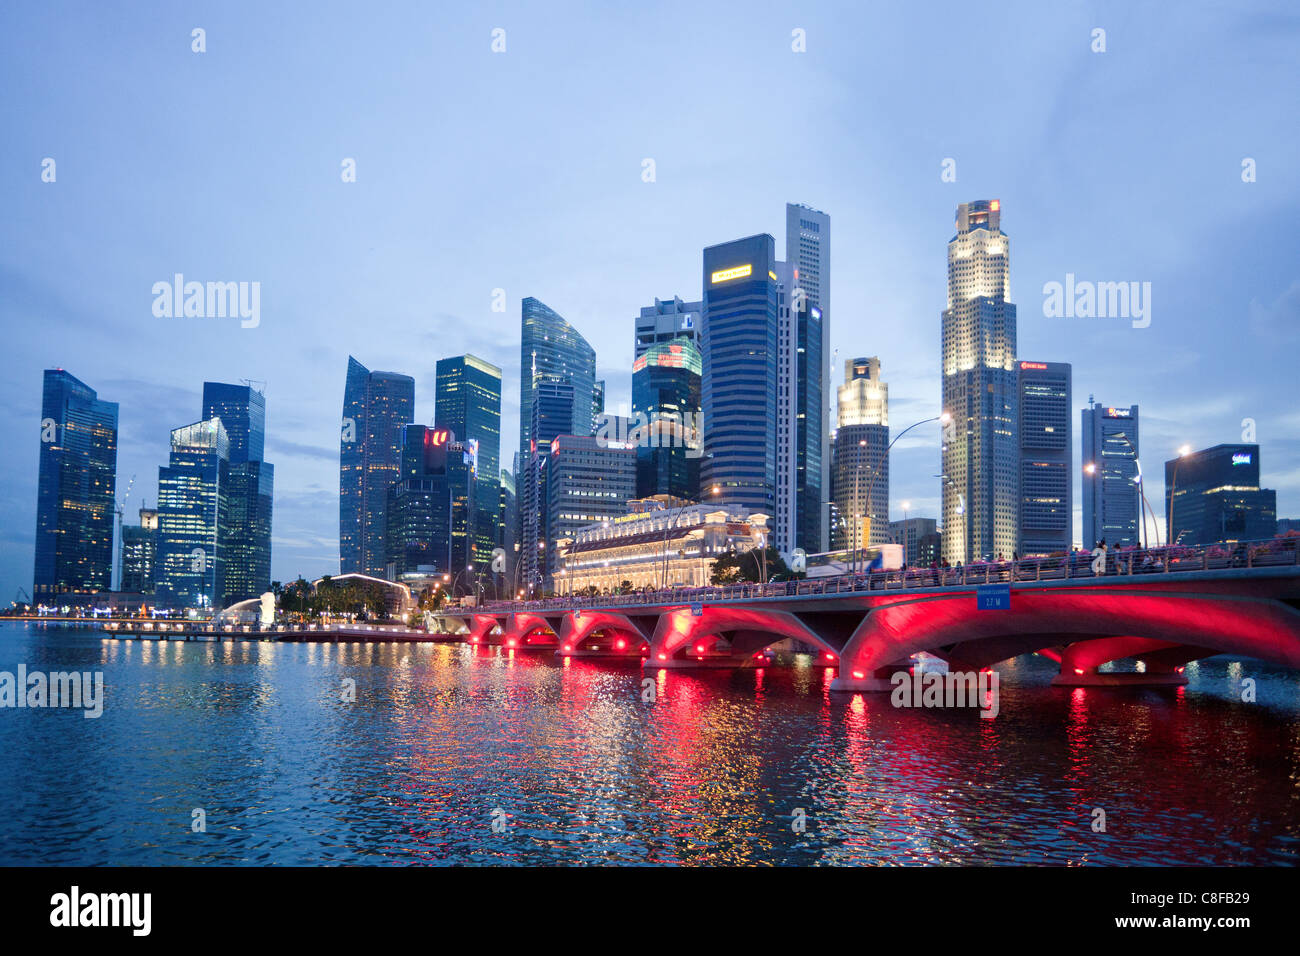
x=193, y=516
x=375, y=407
x=666, y=320
x=860, y=471
x=1046, y=459
x=981, y=453
x=551, y=350
x=75, y=488
x=666, y=397
x=1112, y=500
x=468, y=403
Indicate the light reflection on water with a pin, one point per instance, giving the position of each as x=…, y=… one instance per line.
x=259, y=736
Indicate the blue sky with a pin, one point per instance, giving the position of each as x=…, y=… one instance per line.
x=522, y=170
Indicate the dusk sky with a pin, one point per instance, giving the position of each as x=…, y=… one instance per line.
x=522, y=170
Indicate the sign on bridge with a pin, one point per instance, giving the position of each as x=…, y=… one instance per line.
x=993, y=597
x=697, y=609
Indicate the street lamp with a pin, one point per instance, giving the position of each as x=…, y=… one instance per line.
x=943, y=418
x=907, y=549
x=1183, y=452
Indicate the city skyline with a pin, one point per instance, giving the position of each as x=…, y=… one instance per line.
x=1198, y=335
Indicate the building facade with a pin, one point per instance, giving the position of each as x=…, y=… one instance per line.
x=552, y=350
x=919, y=537
x=1046, y=453
x=981, y=452
x=431, y=508
x=657, y=542
x=1112, y=498
x=739, y=385
x=250, y=490
x=586, y=481
x=1213, y=496
x=860, y=458
x=376, y=406
x=193, y=516
x=140, y=553
x=666, y=381
x=76, y=485
x=666, y=320
x=468, y=404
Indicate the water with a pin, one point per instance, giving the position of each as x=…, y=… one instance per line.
x=257, y=735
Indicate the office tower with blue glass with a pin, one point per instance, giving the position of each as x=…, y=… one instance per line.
x=1214, y=496
x=250, y=490
x=739, y=384
x=193, y=526
x=76, y=484
x=666, y=412
x=1112, y=498
x=431, y=508
x=467, y=402
x=1046, y=459
x=376, y=405
x=664, y=321
x=554, y=412
x=552, y=350
x=587, y=480
x=140, y=553
x=981, y=450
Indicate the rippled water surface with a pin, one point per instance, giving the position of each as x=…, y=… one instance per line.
x=257, y=735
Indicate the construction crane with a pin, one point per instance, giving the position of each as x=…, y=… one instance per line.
x=118, y=512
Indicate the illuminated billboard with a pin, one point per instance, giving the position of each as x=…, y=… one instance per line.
x=735, y=272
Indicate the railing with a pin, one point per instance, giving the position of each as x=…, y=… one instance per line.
x=1131, y=562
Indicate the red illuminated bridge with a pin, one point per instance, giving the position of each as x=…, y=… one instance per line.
x=1196, y=605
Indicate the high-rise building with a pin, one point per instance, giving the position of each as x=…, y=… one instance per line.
x=1046, y=466
x=739, y=386
x=1213, y=497
x=666, y=320
x=375, y=407
x=918, y=537
x=431, y=506
x=551, y=350
x=468, y=403
x=250, y=490
x=76, y=484
x=808, y=252
x=666, y=409
x=193, y=516
x=860, y=458
x=508, y=540
x=588, y=480
x=1112, y=499
x=140, y=553
x=981, y=453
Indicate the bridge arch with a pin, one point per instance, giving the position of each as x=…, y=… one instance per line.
x=726, y=636
x=602, y=633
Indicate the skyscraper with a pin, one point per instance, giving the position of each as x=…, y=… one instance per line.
x=981, y=452
x=140, y=553
x=666, y=320
x=553, y=414
x=76, y=483
x=587, y=481
x=431, y=507
x=551, y=350
x=808, y=252
x=1112, y=499
x=1046, y=466
x=250, y=490
x=375, y=407
x=860, y=472
x=739, y=388
x=1214, y=497
x=193, y=517
x=468, y=403
x=799, y=417
x=666, y=398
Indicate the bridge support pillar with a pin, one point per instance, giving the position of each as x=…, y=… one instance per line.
x=877, y=681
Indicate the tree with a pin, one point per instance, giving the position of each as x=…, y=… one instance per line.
x=734, y=567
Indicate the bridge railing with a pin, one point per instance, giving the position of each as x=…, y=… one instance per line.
x=1078, y=565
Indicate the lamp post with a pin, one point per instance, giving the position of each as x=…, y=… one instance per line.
x=1183, y=452
x=907, y=545
x=942, y=417
x=663, y=584
x=1143, y=492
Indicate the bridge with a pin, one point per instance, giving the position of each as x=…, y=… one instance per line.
x=1164, y=611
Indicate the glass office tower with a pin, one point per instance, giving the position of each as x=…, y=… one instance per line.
x=551, y=350
x=860, y=471
x=1213, y=497
x=1046, y=465
x=432, y=504
x=1112, y=499
x=76, y=483
x=467, y=402
x=666, y=397
x=193, y=527
x=739, y=387
x=376, y=405
x=250, y=491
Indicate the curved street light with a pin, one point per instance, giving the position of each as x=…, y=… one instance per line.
x=1183, y=452
x=943, y=417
